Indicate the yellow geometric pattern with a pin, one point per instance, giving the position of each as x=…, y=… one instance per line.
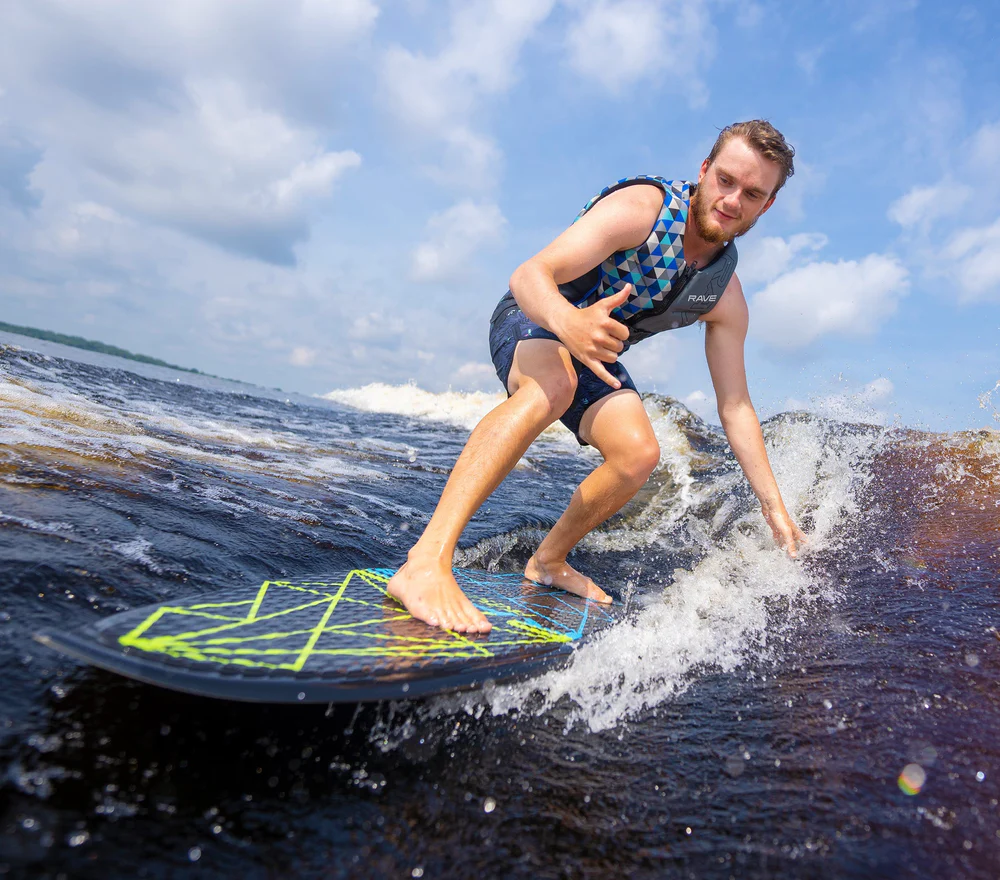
x=350, y=624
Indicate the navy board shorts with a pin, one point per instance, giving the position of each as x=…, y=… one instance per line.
x=509, y=325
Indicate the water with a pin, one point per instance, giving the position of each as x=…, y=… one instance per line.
x=752, y=717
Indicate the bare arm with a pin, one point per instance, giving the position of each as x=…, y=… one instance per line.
x=725, y=333
x=617, y=222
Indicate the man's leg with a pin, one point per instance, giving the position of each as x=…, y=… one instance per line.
x=617, y=425
x=542, y=383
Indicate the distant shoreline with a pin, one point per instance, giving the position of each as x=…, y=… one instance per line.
x=93, y=345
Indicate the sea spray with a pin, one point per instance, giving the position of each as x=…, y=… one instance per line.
x=731, y=608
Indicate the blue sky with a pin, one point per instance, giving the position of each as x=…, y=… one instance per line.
x=319, y=194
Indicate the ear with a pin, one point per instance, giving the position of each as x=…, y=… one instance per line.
x=767, y=205
x=703, y=171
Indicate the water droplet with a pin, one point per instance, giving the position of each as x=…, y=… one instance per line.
x=972, y=660
x=194, y=853
x=980, y=776
x=417, y=872
x=489, y=805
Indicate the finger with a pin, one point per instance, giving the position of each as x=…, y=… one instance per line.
x=597, y=368
x=618, y=330
x=616, y=299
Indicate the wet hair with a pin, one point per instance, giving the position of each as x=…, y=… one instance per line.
x=760, y=135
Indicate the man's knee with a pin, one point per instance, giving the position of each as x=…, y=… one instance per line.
x=637, y=461
x=551, y=396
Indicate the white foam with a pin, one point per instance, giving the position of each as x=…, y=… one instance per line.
x=733, y=606
x=463, y=409
x=49, y=416
x=137, y=550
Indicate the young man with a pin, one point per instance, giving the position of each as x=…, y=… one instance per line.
x=646, y=255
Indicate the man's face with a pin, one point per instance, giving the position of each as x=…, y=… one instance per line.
x=733, y=192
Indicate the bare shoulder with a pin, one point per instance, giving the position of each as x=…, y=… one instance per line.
x=621, y=220
x=732, y=310
x=631, y=210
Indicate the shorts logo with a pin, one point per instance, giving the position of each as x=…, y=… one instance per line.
x=698, y=298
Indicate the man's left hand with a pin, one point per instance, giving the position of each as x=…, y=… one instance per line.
x=787, y=535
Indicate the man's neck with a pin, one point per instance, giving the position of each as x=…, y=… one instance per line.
x=697, y=251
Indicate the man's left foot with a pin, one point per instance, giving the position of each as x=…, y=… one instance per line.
x=562, y=574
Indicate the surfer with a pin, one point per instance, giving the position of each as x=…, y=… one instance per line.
x=645, y=255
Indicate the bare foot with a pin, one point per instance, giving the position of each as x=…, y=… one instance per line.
x=562, y=574
x=430, y=593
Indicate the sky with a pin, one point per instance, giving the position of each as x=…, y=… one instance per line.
x=323, y=194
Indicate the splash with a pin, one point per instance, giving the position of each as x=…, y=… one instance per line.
x=458, y=408
x=732, y=609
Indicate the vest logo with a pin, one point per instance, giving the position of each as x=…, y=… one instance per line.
x=699, y=298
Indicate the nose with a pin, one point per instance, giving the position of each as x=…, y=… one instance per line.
x=731, y=202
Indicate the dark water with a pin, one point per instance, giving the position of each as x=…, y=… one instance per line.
x=751, y=718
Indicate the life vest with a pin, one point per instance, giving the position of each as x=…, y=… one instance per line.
x=667, y=293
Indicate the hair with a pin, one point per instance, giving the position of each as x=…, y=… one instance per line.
x=760, y=135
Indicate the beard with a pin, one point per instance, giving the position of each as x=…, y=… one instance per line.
x=710, y=230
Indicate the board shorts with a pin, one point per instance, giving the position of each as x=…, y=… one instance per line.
x=509, y=326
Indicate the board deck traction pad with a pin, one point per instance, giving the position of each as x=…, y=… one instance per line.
x=336, y=639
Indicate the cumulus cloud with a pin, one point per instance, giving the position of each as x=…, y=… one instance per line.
x=970, y=257
x=475, y=376
x=226, y=171
x=924, y=204
x=189, y=114
x=453, y=238
x=702, y=405
x=435, y=96
x=18, y=158
x=303, y=356
x=848, y=298
x=639, y=40
x=976, y=256
x=764, y=259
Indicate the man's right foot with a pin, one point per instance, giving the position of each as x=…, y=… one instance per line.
x=431, y=594
x=561, y=574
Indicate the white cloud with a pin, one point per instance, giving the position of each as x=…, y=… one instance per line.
x=869, y=403
x=376, y=327
x=200, y=115
x=702, y=405
x=849, y=298
x=764, y=259
x=454, y=236
x=475, y=376
x=807, y=181
x=639, y=40
x=877, y=390
x=984, y=148
x=303, y=356
x=976, y=256
x=434, y=96
x=879, y=12
x=924, y=204
x=227, y=171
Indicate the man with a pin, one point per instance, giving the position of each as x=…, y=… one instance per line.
x=626, y=269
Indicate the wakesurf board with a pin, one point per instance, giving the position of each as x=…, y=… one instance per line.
x=336, y=639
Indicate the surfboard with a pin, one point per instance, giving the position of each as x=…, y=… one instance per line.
x=336, y=639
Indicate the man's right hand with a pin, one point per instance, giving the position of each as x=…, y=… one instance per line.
x=594, y=337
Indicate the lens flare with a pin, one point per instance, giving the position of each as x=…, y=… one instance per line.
x=912, y=779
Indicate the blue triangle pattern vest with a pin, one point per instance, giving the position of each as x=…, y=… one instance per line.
x=667, y=293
